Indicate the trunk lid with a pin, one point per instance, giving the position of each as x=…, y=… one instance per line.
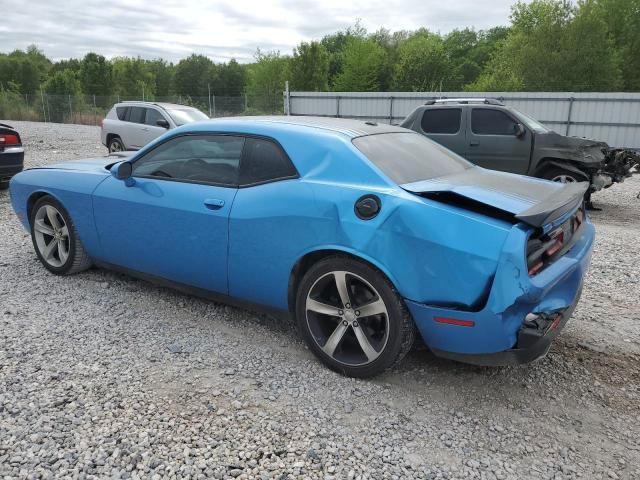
x=539, y=203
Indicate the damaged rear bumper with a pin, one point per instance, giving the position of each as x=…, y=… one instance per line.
x=522, y=315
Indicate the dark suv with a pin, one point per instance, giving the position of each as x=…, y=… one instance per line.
x=492, y=135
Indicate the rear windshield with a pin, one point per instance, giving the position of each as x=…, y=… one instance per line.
x=186, y=115
x=409, y=157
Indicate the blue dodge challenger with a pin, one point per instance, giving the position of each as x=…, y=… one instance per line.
x=365, y=233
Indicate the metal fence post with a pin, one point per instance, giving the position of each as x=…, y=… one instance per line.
x=95, y=111
x=391, y=110
x=287, y=99
x=44, y=111
x=213, y=102
x=48, y=107
x=246, y=103
x=70, y=109
x=571, y=100
x=338, y=106
x=209, y=90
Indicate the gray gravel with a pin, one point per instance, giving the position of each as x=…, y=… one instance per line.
x=102, y=375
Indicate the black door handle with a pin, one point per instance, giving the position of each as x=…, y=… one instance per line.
x=474, y=144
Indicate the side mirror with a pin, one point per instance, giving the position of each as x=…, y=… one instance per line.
x=161, y=122
x=519, y=130
x=122, y=171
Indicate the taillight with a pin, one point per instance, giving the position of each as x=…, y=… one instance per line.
x=9, y=139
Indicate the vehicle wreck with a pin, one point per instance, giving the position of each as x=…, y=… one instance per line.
x=495, y=136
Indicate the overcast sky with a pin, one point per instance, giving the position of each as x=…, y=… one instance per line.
x=173, y=29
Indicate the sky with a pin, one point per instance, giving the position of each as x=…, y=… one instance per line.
x=221, y=30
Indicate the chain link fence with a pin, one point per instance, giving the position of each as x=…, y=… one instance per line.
x=91, y=109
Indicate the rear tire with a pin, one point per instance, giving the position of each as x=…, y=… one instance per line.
x=55, y=238
x=115, y=145
x=352, y=318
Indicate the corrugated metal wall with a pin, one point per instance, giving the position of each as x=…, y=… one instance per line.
x=613, y=117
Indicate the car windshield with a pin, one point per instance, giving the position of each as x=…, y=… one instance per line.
x=532, y=123
x=409, y=157
x=186, y=115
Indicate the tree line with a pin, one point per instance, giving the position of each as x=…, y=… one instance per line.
x=591, y=45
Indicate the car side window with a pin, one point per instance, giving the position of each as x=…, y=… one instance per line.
x=264, y=161
x=122, y=112
x=210, y=159
x=488, y=121
x=152, y=117
x=441, y=120
x=137, y=114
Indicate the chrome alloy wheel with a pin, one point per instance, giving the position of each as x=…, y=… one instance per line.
x=563, y=179
x=347, y=318
x=51, y=235
x=115, y=146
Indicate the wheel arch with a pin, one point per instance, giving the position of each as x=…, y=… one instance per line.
x=311, y=257
x=550, y=162
x=33, y=199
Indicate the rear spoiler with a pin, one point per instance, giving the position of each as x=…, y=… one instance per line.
x=555, y=206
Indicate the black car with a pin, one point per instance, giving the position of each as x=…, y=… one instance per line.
x=11, y=154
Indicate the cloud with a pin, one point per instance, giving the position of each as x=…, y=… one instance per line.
x=172, y=29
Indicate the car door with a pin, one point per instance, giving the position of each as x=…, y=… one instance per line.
x=151, y=130
x=445, y=125
x=493, y=142
x=133, y=133
x=172, y=221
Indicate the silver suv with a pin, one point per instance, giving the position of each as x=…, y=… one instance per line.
x=131, y=125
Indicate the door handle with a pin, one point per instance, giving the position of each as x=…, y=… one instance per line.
x=214, y=203
x=474, y=144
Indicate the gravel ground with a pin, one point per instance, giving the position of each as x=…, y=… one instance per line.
x=102, y=375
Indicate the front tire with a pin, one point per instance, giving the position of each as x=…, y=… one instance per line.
x=352, y=318
x=55, y=238
x=557, y=174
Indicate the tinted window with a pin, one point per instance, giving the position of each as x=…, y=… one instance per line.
x=263, y=161
x=122, y=112
x=485, y=121
x=441, y=120
x=137, y=114
x=196, y=158
x=409, y=157
x=152, y=117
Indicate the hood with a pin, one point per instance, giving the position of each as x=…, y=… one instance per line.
x=86, y=165
x=539, y=203
x=584, y=150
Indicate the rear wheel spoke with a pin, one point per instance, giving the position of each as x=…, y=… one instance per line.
x=343, y=289
x=323, y=308
x=47, y=253
x=374, y=308
x=334, y=340
x=63, y=252
x=366, y=346
x=52, y=215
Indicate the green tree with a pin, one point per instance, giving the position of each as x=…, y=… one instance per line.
x=96, y=76
x=554, y=45
x=622, y=18
x=310, y=67
x=193, y=76
x=266, y=79
x=231, y=79
x=422, y=64
x=163, y=73
x=63, y=91
x=132, y=78
x=363, y=62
